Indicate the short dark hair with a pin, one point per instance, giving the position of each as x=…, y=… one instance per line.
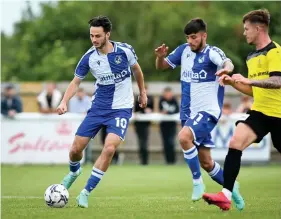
x=227, y=105
x=9, y=87
x=258, y=16
x=167, y=89
x=101, y=21
x=194, y=26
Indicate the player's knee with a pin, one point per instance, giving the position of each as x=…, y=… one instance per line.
x=235, y=142
x=184, y=138
x=75, y=151
x=75, y=155
x=109, y=149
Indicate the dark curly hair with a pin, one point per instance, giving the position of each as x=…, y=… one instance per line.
x=101, y=21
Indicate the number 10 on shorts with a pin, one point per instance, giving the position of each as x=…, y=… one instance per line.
x=121, y=122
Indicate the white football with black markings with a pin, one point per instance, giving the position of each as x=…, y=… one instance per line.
x=56, y=196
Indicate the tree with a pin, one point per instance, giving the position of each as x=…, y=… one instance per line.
x=48, y=47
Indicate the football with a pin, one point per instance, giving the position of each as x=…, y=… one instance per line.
x=56, y=196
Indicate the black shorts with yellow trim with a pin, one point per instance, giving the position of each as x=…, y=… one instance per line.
x=262, y=124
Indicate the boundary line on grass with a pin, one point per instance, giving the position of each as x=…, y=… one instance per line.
x=105, y=197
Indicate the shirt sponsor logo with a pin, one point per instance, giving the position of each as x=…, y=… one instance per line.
x=116, y=78
x=193, y=76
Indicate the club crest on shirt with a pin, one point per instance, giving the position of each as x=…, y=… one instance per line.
x=201, y=59
x=118, y=59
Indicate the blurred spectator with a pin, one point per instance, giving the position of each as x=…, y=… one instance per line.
x=245, y=105
x=80, y=103
x=226, y=108
x=49, y=99
x=226, y=111
x=11, y=103
x=168, y=105
x=142, y=128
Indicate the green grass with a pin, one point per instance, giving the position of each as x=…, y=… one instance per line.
x=137, y=192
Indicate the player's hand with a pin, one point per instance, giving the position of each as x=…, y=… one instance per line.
x=142, y=98
x=62, y=108
x=161, y=51
x=222, y=72
x=238, y=78
x=226, y=80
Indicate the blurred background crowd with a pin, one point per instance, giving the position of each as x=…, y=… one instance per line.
x=166, y=102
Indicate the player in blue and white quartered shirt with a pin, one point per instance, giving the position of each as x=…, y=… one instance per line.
x=201, y=101
x=111, y=63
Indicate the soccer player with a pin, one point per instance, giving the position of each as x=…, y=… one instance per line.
x=264, y=84
x=201, y=101
x=111, y=64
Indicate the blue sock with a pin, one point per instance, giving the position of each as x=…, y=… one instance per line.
x=74, y=166
x=217, y=173
x=191, y=158
x=94, y=179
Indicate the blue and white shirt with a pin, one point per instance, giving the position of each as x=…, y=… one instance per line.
x=200, y=88
x=113, y=87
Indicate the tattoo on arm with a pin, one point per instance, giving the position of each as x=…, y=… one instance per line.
x=273, y=82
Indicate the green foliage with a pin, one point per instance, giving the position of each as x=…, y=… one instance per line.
x=49, y=47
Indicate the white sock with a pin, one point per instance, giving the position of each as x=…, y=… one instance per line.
x=227, y=193
x=198, y=181
x=85, y=192
x=75, y=173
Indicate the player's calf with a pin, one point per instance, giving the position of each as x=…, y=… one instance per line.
x=99, y=169
x=216, y=173
x=191, y=158
x=75, y=155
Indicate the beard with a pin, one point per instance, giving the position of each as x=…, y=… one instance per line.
x=199, y=47
x=102, y=44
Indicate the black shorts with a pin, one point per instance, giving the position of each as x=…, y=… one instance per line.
x=262, y=125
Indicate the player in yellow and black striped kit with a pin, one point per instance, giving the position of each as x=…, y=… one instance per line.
x=264, y=84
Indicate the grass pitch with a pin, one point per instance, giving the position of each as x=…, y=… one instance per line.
x=136, y=192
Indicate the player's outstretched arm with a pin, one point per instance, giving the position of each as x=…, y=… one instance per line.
x=140, y=81
x=161, y=53
x=69, y=93
x=273, y=82
x=243, y=88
